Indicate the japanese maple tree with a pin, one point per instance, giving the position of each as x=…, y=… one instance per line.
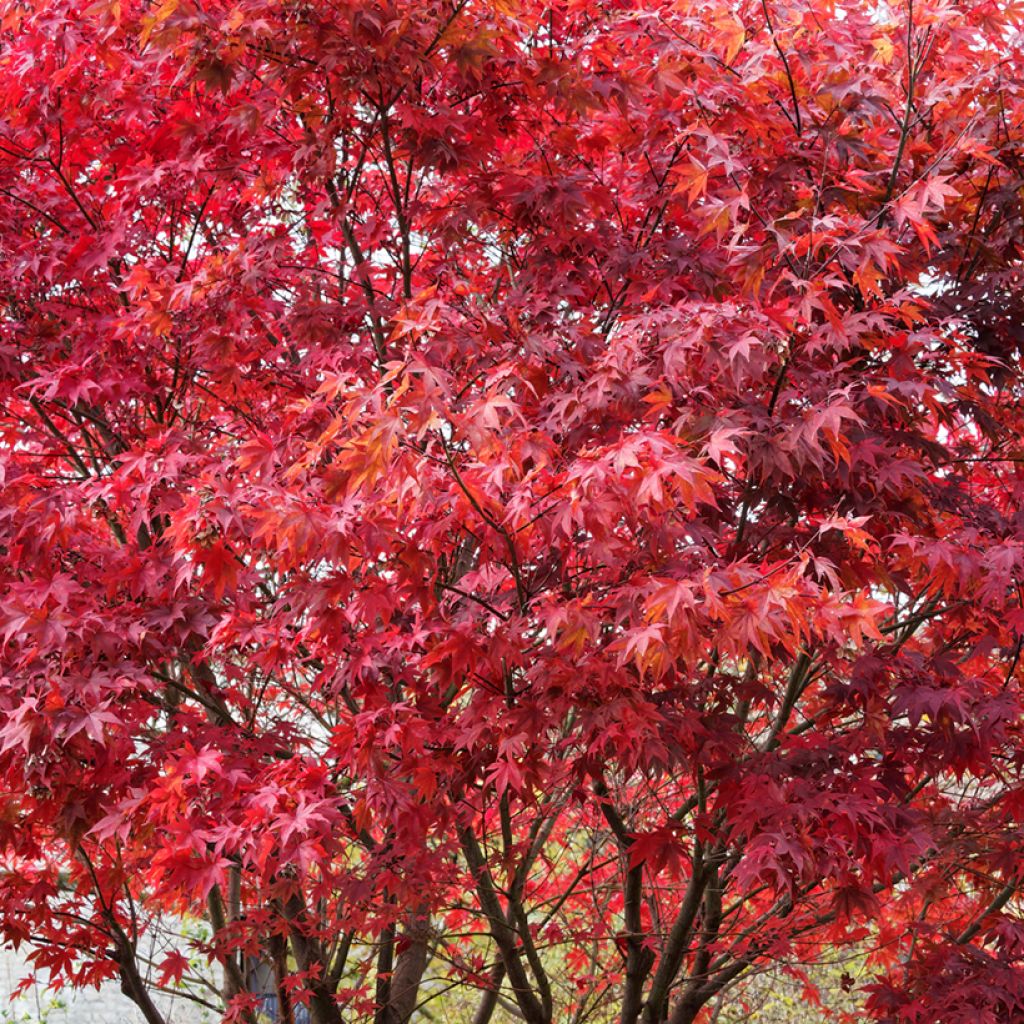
x=513, y=510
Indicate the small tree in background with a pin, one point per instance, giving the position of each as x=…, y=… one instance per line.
x=513, y=506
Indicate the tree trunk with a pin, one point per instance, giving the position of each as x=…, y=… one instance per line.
x=412, y=962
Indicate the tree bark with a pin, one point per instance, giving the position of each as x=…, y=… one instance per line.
x=308, y=955
x=409, y=967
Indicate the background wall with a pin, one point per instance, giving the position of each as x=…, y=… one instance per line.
x=106, y=1006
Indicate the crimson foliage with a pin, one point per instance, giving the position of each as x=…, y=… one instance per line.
x=513, y=504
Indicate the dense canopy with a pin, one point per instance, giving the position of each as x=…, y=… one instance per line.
x=512, y=510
